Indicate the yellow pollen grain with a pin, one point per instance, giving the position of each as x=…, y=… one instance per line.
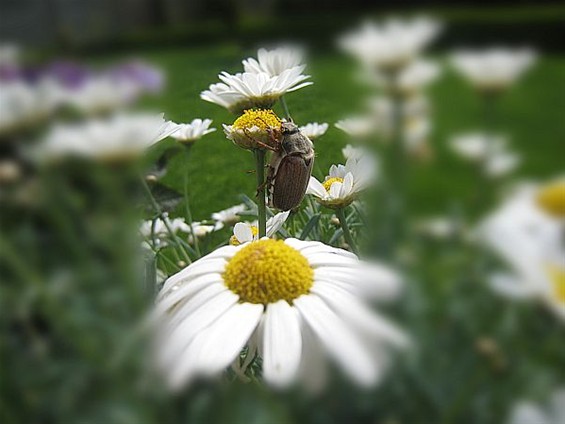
x=263, y=119
x=557, y=277
x=267, y=271
x=328, y=183
x=551, y=198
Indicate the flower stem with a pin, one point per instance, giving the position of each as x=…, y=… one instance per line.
x=165, y=220
x=285, y=108
x=261, y=206
x=346, y=233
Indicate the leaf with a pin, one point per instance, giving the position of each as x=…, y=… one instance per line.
x=338, y=233
x=310, y=225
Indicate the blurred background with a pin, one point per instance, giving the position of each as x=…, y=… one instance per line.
x=74, y=283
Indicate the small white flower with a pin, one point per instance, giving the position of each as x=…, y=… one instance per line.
x=476, y=147
x=344, y=182
x=438, y=227
x=494, y=69
x=189, y=133
x=357, y=126
x=390, y=45
x=501, y=163
x=158, y=227
x=530, y=241
x=411, y=80
x=244, y=232
x=120, y=137
x=274, y=62
x=350, y=152
x=100, y=94
x=288, y=301
x=527, y=412
x=228, y=216
x=199, y=230
x=314, y=130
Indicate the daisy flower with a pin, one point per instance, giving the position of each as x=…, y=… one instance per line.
x=551, y=198
x=390, y=45
x=158, y=227
x=501, y=163
x=356, y=126
x=287, y=301
x=351, y=152
x=121, y=137
x=411, y=80
x=274, y=62
x=253, y=129
x=314, y=130
x=527, y=412
x=189, y=133
x=244, y=232
x=495, y=69
x=529, y=238
x=199, y=230
x=344, y=182
x=228, y=216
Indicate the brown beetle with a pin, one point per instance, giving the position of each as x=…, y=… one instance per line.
x=290, y=168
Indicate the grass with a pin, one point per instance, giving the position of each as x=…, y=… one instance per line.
x=530, y=114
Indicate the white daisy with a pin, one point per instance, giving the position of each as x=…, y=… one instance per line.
x=189, y=133
x=228, y=216
x=390, y=45
x=287, y=301
x=495, y=69
x=476, y=147
x=501, y=163
x=314, y=130
x=344, y=182
x=529, y=239
x=158, y=227
x=244, y=232
x=100, y=94
x=527, y=412
x=274, y=62
x=254, y=129
x=120, y=137
x=199, y=230
x=437, y=227
x=351, y=152
x=410, y=81
x=223, y=95
x=357, y=126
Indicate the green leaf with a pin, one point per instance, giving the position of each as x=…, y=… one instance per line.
x=310, y=225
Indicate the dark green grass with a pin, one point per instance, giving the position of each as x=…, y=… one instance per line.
x=531, y=115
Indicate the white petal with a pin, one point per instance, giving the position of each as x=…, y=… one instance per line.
x=282, y=344
x=314, y=368
x=510, y=286
x=316, y=188
x=242, y=232
x=528, y=413
x=185, y=291
x=347, y=186
x=335, y=190
x=338, y=339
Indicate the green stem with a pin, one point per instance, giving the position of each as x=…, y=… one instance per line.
x=261, y=206
x=187, y=204
x=285, y=108
x=165, y=220
x=346, y=233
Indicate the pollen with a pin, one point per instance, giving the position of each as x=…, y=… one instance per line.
x=329, y=182
x=264, y=119
x=557, y=277
x=267, y=271
x=551, y=198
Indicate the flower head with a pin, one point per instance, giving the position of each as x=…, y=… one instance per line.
x=314, y=130
x=493, y=70
x=254, y=128
x=344, y=182
x=551, y=198
x=274, y=62
x=228, y=216
x=287, y=301
x=189, y=133
x=244, y=232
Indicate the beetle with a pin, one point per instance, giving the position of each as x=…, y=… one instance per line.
x=290, y=168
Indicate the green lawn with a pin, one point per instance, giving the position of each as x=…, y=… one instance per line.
x=532, y=114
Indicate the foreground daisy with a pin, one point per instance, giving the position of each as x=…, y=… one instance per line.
x=527, y=412
x=195, y=130
x=344, y=182
x=314, y=130
x=244, y=232
x=529, y=238
x=287, y=301
x=493, y=70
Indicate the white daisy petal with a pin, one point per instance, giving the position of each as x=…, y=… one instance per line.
x=243, y=232
x=316, y=188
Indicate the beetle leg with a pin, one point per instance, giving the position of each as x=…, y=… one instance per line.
x=260, y=143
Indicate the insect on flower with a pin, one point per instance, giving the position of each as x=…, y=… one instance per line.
x=290, y=168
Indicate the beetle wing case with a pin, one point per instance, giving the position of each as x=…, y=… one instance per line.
x=291, y=181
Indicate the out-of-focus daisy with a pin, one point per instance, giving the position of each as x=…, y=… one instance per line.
x=199, y=230
x=253, y=129
x=390, y=45
x=530, y=240
x=551, y=198
x=356, y=126
x=158, y=227
x=501, y=162
x=118, y=138
x=314, y=130
x=195, y=130
x=351, y=152
x=437, y=227
x=289, y=302
x=244, y=232
x=99, y=94
x=254, y=90
x=410, y=81
x=495, y=69
x=344, y=182
x=228, y=216
x=274, y=62
x=527, y=412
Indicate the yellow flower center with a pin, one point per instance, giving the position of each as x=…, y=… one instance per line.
x=557, y=277
x=263, y=119
x=551, y=198
x=235, y=242
x=328, y=183
x=267, y=271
